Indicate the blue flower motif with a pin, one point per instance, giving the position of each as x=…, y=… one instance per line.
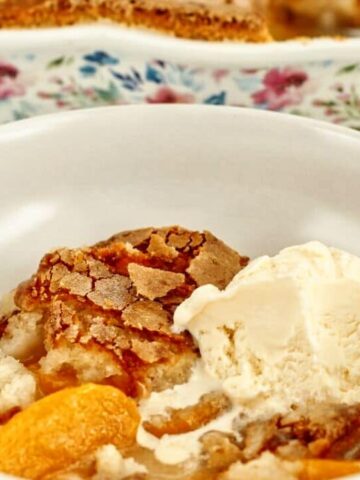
x=88, y=70
x=248, y=84
x=153, y=75
x=217, y=99
x=327, y=63
x=101, y=58
x=131, y=81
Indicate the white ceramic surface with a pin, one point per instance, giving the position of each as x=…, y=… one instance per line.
x=259, y=180
x=43, y=71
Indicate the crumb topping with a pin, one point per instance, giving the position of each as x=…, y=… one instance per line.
x=216, y=263
x=119, y=295
x=153, y=283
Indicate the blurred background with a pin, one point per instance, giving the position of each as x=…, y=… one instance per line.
x=293, y=56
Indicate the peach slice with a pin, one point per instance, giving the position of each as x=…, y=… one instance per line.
x=59, y=429
x=319, y=469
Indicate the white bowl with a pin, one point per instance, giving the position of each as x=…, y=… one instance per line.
x=259, y=180
x=48, y=70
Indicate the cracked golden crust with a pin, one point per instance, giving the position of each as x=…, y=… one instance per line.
x=159, y=247
x=148, y=315
x=119, y=296
x=199, y=19
x=153, y=283
x=112, y=293
x=216, y=263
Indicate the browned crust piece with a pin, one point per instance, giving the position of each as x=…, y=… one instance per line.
x=183, y=420
x=327, y=431
x=323, y=440
x=115, y=300
x=195, y=20
x=293, y=18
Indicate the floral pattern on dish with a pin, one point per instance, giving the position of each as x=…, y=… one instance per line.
x=282, y=88
x=10, y=86
x=35, y=84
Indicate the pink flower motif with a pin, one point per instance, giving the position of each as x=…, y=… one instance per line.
x=10, y=86
x=329, y=111
x=219, y=74
x=61, y=103
x=282, y=88
x=344, y=97
x=167, y=95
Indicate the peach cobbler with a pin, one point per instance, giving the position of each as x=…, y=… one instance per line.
x=241, y=20
x=162, y=353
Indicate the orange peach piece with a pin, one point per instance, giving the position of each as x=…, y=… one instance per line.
x=319, y=469
x=59, y=429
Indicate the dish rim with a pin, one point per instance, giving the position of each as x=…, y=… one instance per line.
x=41, y=123
x=143, y=43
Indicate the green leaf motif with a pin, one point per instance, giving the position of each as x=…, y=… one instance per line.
x=108, y=95
x=299, y=113
x=348, y=69
x=57, y=62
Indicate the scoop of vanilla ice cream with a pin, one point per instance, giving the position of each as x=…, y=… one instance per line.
x=286, y=330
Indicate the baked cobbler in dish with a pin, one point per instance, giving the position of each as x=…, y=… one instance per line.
x=242, y=20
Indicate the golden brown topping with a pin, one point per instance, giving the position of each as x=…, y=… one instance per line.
x=145, y=314
x=179, y=239
x=118, y=297
x=154, y=283
x=98, y=269
x=57, y=273
x=158, y=246
x=197, y=19
x=183, y=420
x=149, y=352
x=112, y=293
x=216, y=263
x=134, y=237
x=76, y=283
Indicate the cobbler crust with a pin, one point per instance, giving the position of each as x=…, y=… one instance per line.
x=106, y=310
x=198, y=19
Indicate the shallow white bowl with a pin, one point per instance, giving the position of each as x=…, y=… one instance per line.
x=259, y=180
x=43, y=71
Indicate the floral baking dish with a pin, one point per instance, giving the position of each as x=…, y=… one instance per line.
x=51, y=70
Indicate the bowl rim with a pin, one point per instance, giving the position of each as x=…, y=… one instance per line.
x=143, y=43
x=40, y=124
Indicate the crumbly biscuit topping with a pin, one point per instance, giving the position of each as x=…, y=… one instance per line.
x=117, y=299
